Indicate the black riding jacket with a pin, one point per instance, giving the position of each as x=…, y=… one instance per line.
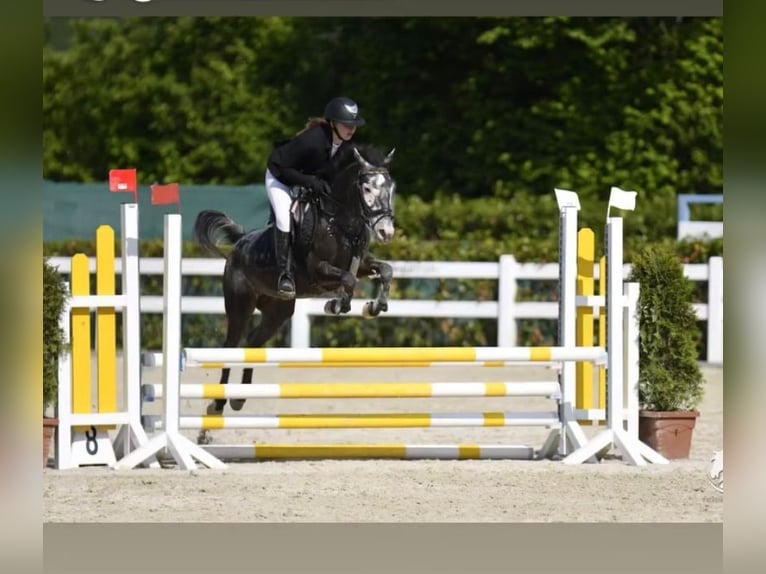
x=299, y=160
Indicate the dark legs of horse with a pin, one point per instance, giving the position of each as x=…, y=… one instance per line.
x=330, y=273
x=274, y=313
x=239, y=302
x=382, y=274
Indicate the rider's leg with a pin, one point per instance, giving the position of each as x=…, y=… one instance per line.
x=279, y=197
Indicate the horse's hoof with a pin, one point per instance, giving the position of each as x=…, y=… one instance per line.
x=332, y=307
x=213, y=410
x=204, y=437
x=368, y=311
x=236, y=404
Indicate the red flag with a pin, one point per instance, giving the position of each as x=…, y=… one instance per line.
x=166, y=194
x=124, y=180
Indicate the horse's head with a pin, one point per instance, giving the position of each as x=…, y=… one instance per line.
x=376, y=189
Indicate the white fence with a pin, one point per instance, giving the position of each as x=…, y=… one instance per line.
x=506, y=310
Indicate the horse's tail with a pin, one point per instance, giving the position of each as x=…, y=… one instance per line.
x=213, y=228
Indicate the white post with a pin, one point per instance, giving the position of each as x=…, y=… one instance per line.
x=171, y=324
x=63, y=455
x=630, y=364
x=183, y=450
x=507, y=329
x=133, y=434
x=300, y=326
x=614, y=324
x=569, y=205
x=715, y=311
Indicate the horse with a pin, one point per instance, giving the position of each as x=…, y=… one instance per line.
x=331, y=236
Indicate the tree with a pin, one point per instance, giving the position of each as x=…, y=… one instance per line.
x=178, y=98
x=504, y=107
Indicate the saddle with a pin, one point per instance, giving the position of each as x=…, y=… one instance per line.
x=304, y=213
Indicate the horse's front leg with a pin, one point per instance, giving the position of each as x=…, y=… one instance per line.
x=326, y=272
x=382, y=274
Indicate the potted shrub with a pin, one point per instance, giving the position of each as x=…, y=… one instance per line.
x=670, y=380
x=55, y=295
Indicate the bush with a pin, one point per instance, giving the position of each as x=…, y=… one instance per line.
x=670, y=378
x=449, y=228
x=54, y=298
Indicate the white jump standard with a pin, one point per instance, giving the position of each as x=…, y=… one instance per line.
x=183, y=450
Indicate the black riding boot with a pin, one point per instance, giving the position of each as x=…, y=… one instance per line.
x=285, y=284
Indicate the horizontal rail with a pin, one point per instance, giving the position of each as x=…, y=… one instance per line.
x=155, y=359
x=507, y=311
x=97, y=301
x=358, y=390
x=99, y=419
x=202, y=266
x=356, y=421
x=398, y=354
x=369, y=451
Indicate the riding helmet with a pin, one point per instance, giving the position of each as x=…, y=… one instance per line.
x=343, y=111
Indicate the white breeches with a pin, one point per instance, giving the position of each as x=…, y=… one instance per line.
x=279, y=197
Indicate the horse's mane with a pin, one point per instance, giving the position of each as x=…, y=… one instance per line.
x=345, y=156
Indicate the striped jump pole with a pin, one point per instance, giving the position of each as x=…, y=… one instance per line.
x=82, y=435
x=370, y=420
x=402, y=355
x=154, y=360
x=370, y=390
x=266, y=452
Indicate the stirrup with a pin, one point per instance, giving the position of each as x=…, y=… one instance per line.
x=286, y=286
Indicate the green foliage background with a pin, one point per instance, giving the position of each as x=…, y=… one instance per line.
x=488, y=115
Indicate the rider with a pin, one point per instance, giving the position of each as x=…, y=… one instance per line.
x=301, y=161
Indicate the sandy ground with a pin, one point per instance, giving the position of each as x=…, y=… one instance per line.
x=394, y=490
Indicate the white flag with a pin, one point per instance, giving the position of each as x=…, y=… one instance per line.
x=622, y=199
x=566, y=198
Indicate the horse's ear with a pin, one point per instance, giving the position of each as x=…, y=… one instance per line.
x=361, y=160
x=390, y=156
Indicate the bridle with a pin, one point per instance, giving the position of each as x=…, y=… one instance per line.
x=373, y=216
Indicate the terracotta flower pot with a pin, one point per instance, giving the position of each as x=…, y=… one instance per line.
x=49, y=429
x=667, y=432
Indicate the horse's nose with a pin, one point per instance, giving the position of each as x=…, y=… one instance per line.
x=385, y=232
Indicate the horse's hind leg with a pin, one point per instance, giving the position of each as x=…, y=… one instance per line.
x=274, y=313
x=239, y=301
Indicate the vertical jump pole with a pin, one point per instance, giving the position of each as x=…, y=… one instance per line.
x=132, y=435
x=630, y=362
x=570, y=436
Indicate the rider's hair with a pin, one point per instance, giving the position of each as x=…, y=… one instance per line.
x=312, y=123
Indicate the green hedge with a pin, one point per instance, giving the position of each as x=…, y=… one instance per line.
x=55, y=295
x=447, y=229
